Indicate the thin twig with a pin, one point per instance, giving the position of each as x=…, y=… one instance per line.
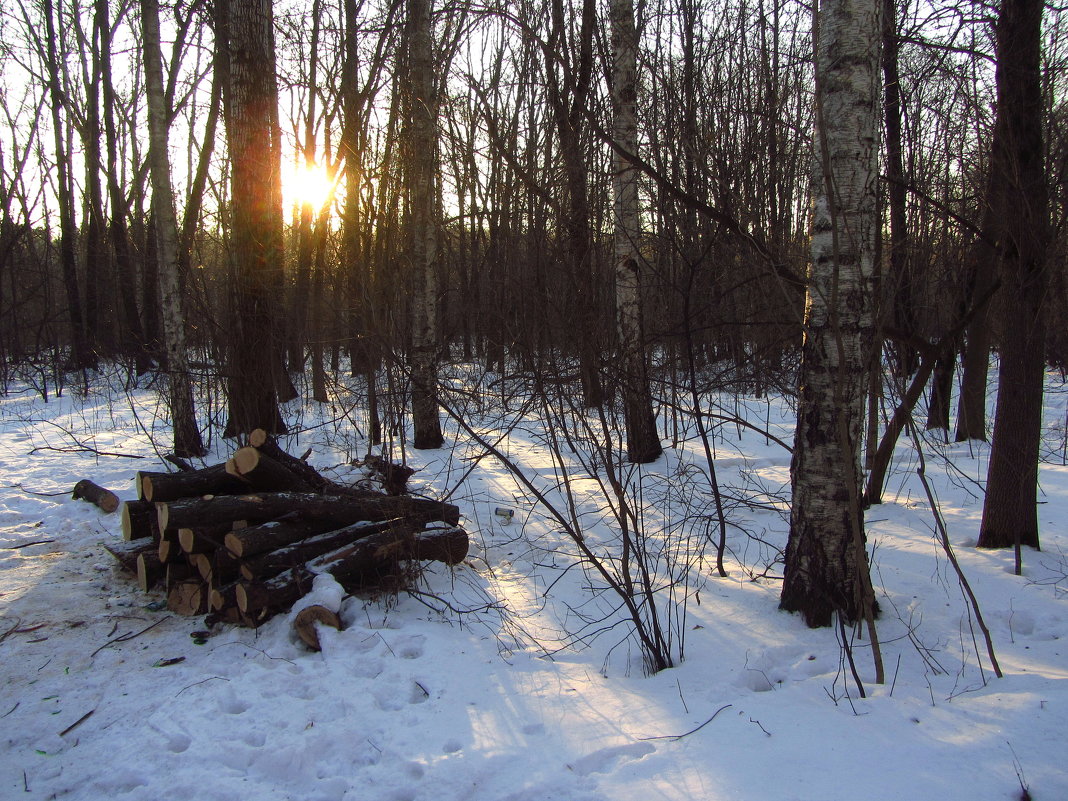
x=24, y=545
x=76, y=723
x=126, y=637
x=202, y=681
x=943, y=536
x=691, y=731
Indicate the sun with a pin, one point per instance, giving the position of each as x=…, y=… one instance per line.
x=309, y=184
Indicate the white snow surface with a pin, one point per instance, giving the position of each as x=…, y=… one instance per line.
x=511, y=677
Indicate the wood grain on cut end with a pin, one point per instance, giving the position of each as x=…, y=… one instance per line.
x=304, y=624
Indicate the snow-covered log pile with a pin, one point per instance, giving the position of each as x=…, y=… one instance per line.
x=244, y=540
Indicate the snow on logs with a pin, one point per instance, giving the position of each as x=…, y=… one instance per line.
x=246, y=539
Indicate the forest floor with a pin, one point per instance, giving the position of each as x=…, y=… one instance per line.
x=513, y=676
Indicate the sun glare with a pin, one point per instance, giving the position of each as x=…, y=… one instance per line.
x=309, y=184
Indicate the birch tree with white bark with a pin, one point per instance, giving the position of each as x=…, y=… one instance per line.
x=187, y=440
x=423, y=245
x=643, y=444
x=826, y=572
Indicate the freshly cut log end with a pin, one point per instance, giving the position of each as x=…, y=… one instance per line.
x=103, y=499
x=304, y=624
x=188, y=598
x=150, y=570
x=139, y=520
x=216, y=568
x=224, y=598
x=265, y=474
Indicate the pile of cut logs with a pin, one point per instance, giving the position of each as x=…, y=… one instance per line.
x=242, y=541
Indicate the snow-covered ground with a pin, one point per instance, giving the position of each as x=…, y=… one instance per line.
x=510, y=677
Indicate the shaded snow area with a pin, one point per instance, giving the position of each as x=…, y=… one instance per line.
x=514, y=676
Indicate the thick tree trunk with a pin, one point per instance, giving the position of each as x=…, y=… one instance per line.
x=255, y=242
x=643, y=443
x=1010, y=515
x=941, y=393
x=826, y=569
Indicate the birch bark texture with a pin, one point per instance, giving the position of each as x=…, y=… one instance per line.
x=422, y=168
x=643, y=444
x=187, y=440
x=826, y=571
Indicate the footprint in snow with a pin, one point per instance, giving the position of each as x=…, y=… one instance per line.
x=410, y=647
x=605, y=759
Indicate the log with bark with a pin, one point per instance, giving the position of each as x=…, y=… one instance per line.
x=206, y=539
x=265, y=506
x=274, y=562
x=374, y=561
x=305, y=620
x=264, y=474
x=248, y=542
x=139, y=520
x=182, y=534
x=266, y=445
x=126, y=552
x=394, y=477
x=214, y=480
x=104, y=499
x=150, y=570
x=217, y=568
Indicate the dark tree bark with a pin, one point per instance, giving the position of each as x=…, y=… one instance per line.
x=900, y=266
x=251, y=102
x=131, y=336
x=81, y=356
x=1010, y=515
x=569, y=97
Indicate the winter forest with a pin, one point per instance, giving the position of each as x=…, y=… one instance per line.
x=726, y=339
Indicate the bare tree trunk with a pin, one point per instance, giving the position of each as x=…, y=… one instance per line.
x=826, y=569
x=643, y=444
x=251, y=102
x=187, y=441
x=424, y=245
x=298, y=309
x=569, y=99
x=1010, y=515
x=81, y=357
x=901, y=278
x=132, y=336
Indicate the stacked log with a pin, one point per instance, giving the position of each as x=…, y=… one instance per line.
x=244, y=540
